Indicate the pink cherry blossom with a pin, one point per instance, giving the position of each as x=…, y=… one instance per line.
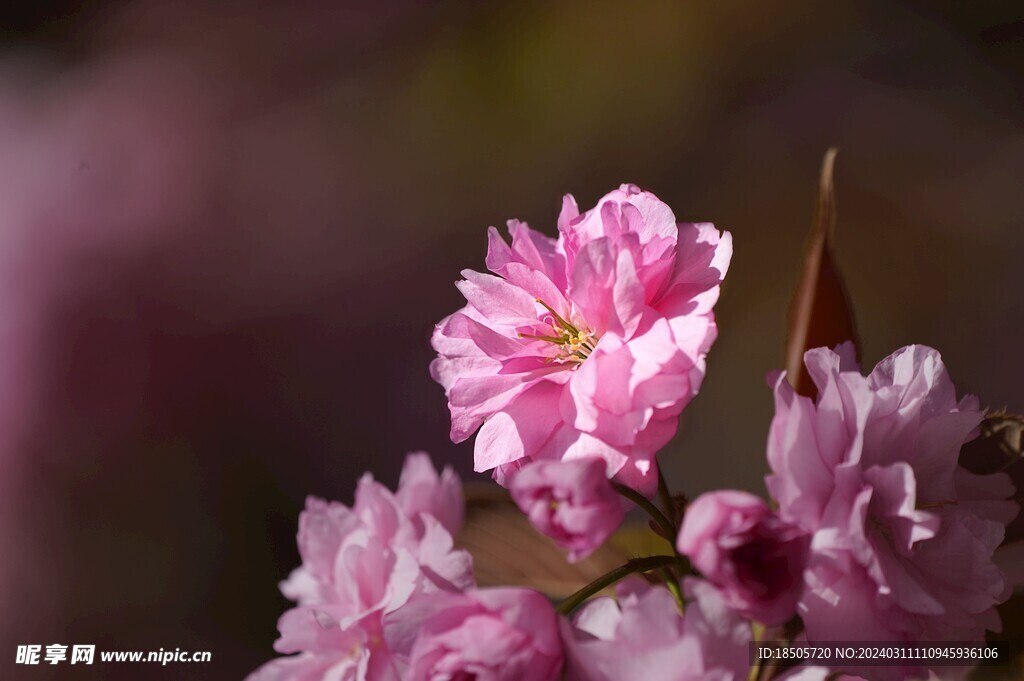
x=498, y=634
x=754, y=557
x=358, y=565
x=903, y=536
x=590, y=344
x=570, y=501
x=642, y=635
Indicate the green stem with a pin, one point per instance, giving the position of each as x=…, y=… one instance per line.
x=673, y=585
x=790, y=630
x=604, y=581
x=756, y=630
x=670, y=508
x=652, y=510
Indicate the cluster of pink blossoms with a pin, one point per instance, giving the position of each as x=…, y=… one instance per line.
x=361, y=565
x=383, y=596
x=573, y=360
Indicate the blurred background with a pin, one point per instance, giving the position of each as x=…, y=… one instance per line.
x=227, y=229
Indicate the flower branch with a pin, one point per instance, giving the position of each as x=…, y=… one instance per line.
x=634, y=566
x=643, y=502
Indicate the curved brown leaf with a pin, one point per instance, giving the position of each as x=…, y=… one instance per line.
x=820, y=313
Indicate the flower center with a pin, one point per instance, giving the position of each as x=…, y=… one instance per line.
x=576, y=343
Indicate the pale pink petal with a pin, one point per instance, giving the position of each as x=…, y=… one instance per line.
x=422, y=490
x=496, y=299
x=520, y=429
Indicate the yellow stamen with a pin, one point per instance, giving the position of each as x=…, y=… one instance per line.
x=577, y=344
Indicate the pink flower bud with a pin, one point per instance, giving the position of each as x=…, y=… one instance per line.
x=754, y=557
x=570, y=501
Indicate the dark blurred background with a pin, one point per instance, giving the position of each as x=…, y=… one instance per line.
x=226, y=232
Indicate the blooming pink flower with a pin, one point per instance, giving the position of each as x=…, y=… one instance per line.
x=903, y=536
x=358, y=565
x=588, y=345
x=501, y=634
x=570, y=501
x=643, y=636
x=754, y=557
